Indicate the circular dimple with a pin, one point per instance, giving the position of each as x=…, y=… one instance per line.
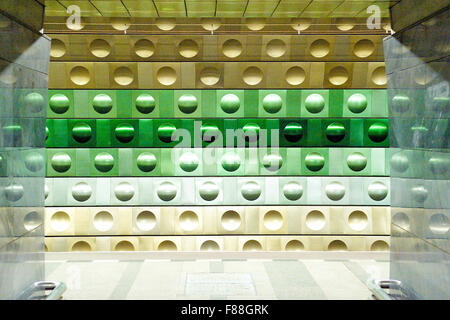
x=188, y=221
x=294, y=245
x=439, y=223
x=80, y=76
x=103, y=221
x=146, y=220
x=438, y=165
x=211, y=24
x=124, y=245
x=337, y=245
x=166, y=76
x=46, y=191
x=124, y=132
x=357, y=220
x=251, y=132
x=364, y=48
x=166, y=191
x=187, y=103
x=356, y=161
x=59, y=103
x=255, y=24
x=14, y=192
x=399, y=162
x=145, y=103
x=81, y=191
x=293, y=132
x=58, y=48
x=124, y=191
x=210, y=76
x=123, y=76
x=209, y=132
x=104, y=162
x=232, y=48
x=272, y=103
x=34, y=102
x=345, y=24
x=146, y=161
x=273, y=220
x=251, y=191
x=379, y=76
x=419, y=193
x=379, y=245
x=338, y=76
x=401, y=220
x=121, y=23
x=230, y=161
x=209, y=245
x=335, y=191
x=60, y=221
x=292, y=191
x=440, y=104
x=32, y=220
x=34, y=161
x=300, y=24
x=377, y=191
x=81, y=246
x=319, y=48
x=209, y=191
x=189, y=161
x=357, y=103
x=400, y=103
x=100, y=48
x=295, y=76
x=165, y=132
x=144, y=48
x=102, y=103
x=230, y=103
x=188, y=48
x=315, y=220
x=61, y=162
x=167, y=245
x=252, y=76
x=231, y=220
x=335, y=132
x=166, y=24
x=276, y=48
x=252, y=245
x=314, y=103
x=378, y=132
x=272, y=162
x=314, y=161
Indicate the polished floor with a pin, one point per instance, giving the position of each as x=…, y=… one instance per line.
x=318, y=276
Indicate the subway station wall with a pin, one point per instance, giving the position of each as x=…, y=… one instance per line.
x=283, y=143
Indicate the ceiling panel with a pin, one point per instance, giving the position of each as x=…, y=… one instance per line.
x=87, y=8
x=174, y=8
x=111, y=8
x=140, y=8
x=201, y=8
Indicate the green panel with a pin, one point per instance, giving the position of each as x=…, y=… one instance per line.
x=293, y=132
x=60, y=104
x=234, y=102
x=82, y=133
x=124, y=133
x=142, y=103
x=293, y=103
x=314, y=161
x=272, y=103
x=166, y=103
x=376, y=132
x=357, y=103
x=61, y=162
x=251, y=98
x=124, y=103
x=102, y=103
x=336, y=132
x=315, y=103
x=146, y=162
x=336, y=102
x=379, y=104
x=104, y=162
x=187, y=103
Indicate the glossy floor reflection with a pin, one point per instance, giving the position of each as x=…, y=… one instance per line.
x=320, y=276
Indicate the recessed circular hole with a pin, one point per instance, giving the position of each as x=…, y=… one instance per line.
x=338, y=76
x=81, y=246
x=103, y=221
x=189, y=161
x=124, y=191
x=167, y=245
x=146, y=220
x=356, y=161
x=335, y=132
x=314, y=161
x=357, y=103
x=32, y=220
x=345, y=24
x=100, y=48
x=209, y=191
x=80, y=76
x=188, y=48
x=231, y=161
x=335, y=191
x=379, y=245
x=273, y=220
x=300, y=24
x=314, y=103
x=231, y=220
x=272, y=162
x=146, y=161
x=166, y=24
x=320, y=48
x=188, y=221
x=167, y=191
x=315, y=220
x=379, y=76
x=102, y=103
x=337, y=245
x=124, y=245
x=251, y=191
x=232, y=48
x=165, y=132
x=60, y=221
x=59, y=103
x=377, y=191
x=439, y=223
x=357, y=220
x=276, y=48
x=364, y=48
x=187, y=103
x=145, y=103
x=81, y=191
x=14, y=192
x=166, y=76
x=230, y=103
x=293, y=132
x=401, y=220
x=209, y=245
x=293, y=191
x=211, y=24
x=294, y=245
x=58, y=48
x=255, y=24
x=210, y=76
x=34, y=161
x=124, y=132
x=104, y=162
x=123, y=76
x=121, y=23
x=378, y=132
x=144, y=48
x=295, y=76
x=252, y=245
x=252, y=76
x=272, y=103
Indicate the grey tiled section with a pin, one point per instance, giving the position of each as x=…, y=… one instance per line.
x=418, y=89
x=24, y=59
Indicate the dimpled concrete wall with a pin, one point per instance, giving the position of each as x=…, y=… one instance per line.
x=311, y=173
